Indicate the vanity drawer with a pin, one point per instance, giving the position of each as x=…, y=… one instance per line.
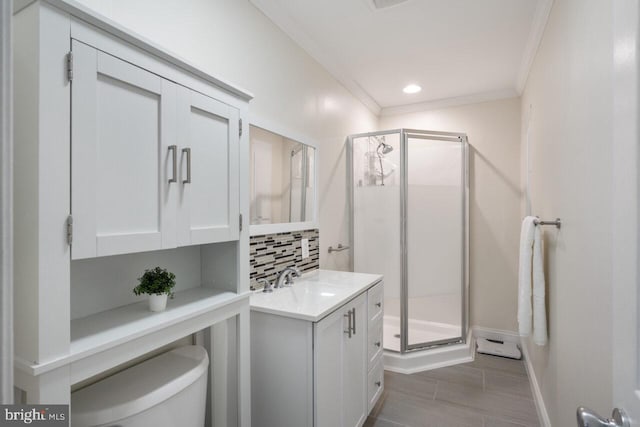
x=374, y=340
x=375, y=383
x=375, y=297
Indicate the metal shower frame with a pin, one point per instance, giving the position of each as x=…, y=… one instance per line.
x=405, y=134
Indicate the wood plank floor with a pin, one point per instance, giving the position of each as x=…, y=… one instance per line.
x=488, y=392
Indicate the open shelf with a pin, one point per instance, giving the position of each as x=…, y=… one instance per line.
x=129, y=330
x=110, y=328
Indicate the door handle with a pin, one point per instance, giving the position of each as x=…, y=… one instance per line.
x=174, y=149
x=354, y=320
x=348, y=316
x=188, y=151
x=588, y=418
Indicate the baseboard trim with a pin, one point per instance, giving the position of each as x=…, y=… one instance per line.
x=543, y=415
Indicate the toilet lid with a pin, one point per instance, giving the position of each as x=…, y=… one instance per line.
x=138, y=388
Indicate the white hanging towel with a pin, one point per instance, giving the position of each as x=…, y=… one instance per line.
x=531, y=267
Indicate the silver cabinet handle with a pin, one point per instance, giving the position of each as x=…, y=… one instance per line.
x=348, y=316
x=174, y=149
x=188, y=151
x=354, y=320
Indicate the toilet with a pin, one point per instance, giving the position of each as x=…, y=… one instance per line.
x=166, y=391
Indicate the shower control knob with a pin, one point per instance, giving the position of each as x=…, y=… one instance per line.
x=588, y=418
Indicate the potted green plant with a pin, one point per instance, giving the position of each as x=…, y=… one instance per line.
x=158, y=283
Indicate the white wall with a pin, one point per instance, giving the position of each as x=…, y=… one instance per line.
x=232, y=40
x=493, y=129
x=6, y=204
x=567, y=125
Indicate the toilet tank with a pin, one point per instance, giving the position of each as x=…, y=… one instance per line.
x=166, y=391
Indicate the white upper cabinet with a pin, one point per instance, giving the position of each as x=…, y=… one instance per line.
x=155, y=165
x=208, y=137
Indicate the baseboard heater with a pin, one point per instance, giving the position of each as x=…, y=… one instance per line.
x=498, y=348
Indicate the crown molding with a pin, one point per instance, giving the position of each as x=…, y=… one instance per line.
x=540, y=18
x=289, y=26
x=475, y=98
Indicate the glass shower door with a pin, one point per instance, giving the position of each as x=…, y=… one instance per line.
x=435, y=236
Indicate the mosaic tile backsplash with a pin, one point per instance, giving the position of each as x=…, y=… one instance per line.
x=271, y=253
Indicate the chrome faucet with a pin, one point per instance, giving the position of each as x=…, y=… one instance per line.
x=285, y=277
x=268, y=286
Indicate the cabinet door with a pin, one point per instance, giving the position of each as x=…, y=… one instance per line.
x=329, y=341
x=123, y=123
x=355, y=363
x=209, y=170
x=340, y=374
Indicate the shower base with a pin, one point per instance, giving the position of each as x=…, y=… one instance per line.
x=420, y=331
x=429, y=358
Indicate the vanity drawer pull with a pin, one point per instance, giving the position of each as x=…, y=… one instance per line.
x=350, y=325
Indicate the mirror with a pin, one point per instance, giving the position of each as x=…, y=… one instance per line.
x=282, y=182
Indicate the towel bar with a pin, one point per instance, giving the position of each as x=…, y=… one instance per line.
x=338, y=249
x=557, y=222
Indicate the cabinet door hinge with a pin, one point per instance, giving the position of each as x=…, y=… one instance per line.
x=240, y=222
x=70, y=66
x=69, y=229
x=240, y=128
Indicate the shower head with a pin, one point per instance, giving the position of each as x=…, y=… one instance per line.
x=386, y=148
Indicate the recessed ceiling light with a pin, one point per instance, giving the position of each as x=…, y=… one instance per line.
x=412, y=88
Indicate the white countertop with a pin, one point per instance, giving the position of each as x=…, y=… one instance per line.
x=314, y=295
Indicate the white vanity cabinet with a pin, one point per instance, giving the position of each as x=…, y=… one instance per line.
x=154, y=164
x=310, y=362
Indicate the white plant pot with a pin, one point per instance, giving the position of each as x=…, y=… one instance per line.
x=157, y=302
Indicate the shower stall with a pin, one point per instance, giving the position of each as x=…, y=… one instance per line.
x=409, y=222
